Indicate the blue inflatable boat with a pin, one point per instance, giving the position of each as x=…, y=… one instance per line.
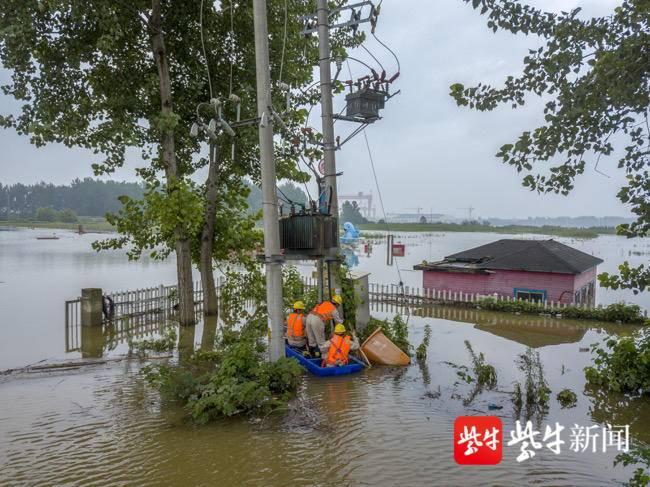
x=313, y=364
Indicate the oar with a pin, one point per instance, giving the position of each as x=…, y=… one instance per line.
x=363, y=355
x=365, y=358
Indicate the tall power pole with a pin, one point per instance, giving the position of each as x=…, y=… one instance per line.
x=327, y=110
x=327, y=116
x=272, y=256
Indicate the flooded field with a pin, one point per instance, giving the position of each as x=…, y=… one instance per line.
x=102, y=425
x=37, y=276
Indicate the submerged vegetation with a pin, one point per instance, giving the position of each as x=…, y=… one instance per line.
x=567, y=398
x=484, y=374
x=533, y=397
x=637, y=455
x=421, y=351
x=622, y=364
x=617, y=312
x=233, y=377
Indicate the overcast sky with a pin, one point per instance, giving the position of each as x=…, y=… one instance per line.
x=428, y=152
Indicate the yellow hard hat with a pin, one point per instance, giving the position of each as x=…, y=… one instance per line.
x=298, y=305
x=339, y=329
x=337, y=299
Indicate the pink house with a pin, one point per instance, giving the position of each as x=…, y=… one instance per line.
x=537, y=270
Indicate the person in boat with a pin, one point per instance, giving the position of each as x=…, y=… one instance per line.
x=296, y=326
x=318, y=317
x=336, y=350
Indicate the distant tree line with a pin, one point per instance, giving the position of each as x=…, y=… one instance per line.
x=87, y=197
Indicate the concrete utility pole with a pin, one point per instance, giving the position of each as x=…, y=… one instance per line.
x=272, y=256
x=327, y=110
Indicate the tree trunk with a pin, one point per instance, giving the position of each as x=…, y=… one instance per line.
x=210, y=304
x=183, y=252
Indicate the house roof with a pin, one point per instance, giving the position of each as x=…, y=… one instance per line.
x=521, y=255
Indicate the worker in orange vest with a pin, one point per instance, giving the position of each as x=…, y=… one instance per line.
x=337, y=349
x=295, y=326
x=318, y=317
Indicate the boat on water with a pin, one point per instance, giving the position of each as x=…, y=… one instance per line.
x=313, y=364
x=47, y=237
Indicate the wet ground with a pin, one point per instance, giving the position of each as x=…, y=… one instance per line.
x=102, y=425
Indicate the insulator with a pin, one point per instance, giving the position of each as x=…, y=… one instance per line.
x=194, y=130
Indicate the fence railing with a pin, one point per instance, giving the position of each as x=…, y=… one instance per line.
x=416, y=296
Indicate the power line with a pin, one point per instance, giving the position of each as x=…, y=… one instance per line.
x=207, y=66
x=284, y=39
x=381, y=199
x=389, y=50
x=232, y=46
x=381, y=66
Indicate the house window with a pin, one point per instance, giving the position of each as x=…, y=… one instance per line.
x=535, y=295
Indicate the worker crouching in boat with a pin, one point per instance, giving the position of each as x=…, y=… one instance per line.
x=316, y=320
x=337, y=349
x=296, y=326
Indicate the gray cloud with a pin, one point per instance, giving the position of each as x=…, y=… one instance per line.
x=428, y=152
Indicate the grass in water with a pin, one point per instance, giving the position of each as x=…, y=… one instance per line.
x=535, y=393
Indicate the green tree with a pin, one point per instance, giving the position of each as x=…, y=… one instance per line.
x=68, y=216
x=47, y=215
x=350, y=212
x=595, y=73
x=111, y=75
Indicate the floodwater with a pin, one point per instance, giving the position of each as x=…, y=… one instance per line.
x=102, y=425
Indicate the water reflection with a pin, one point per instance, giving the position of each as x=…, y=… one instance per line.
x=350, y=255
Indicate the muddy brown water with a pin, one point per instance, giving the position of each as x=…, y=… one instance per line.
x=102, y=425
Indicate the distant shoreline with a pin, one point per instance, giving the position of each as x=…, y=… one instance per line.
x=93, y=225
x=556, y=231
x=101, y=225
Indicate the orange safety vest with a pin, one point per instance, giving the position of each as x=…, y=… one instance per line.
x=339, y=350
x=295, y=328
x=324, y=310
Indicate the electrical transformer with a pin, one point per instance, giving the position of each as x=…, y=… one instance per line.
x=365, y=104
x=308, y=236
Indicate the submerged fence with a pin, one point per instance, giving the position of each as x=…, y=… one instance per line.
x=144, y=312
x=161, y=300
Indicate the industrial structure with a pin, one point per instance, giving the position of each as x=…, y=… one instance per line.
x=363, y=200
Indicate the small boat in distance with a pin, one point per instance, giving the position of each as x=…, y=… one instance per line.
x=47, y=237
x=313, y=364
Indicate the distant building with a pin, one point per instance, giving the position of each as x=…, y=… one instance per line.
x=417, y=217
x=535, y=270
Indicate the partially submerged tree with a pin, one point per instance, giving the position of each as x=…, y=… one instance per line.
x=597, y=74
x=107, y=76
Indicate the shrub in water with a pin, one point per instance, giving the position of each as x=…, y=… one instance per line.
x=567, y=398
x=623, y=364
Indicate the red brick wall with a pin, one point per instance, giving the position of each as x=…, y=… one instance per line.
x=503, y=283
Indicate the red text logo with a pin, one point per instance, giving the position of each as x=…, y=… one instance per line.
x=478, y=440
